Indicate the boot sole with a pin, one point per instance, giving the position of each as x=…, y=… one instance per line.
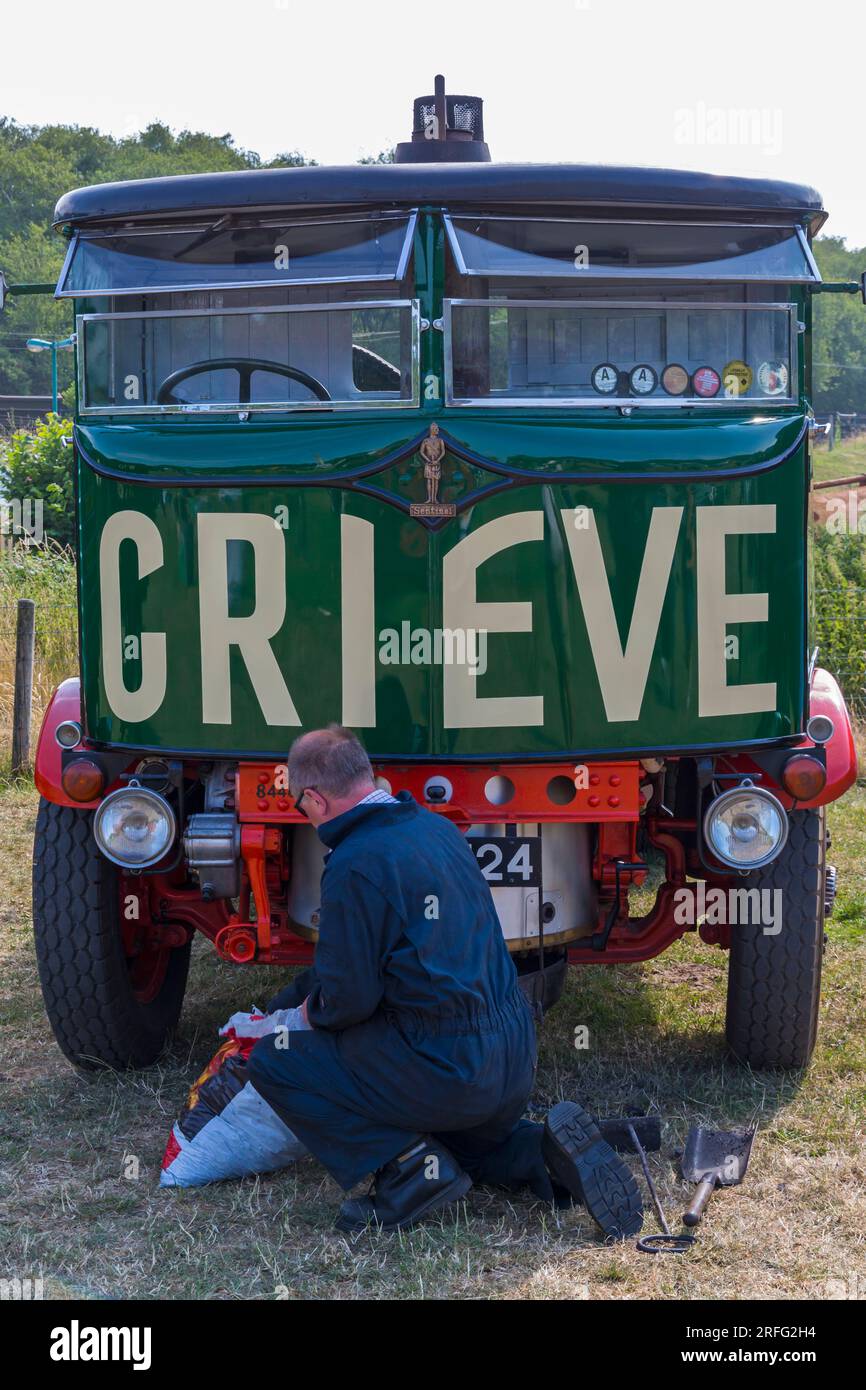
x=452, y=1193
x=581, y=1159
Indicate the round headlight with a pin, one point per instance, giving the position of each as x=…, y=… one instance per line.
x=68, y=733
x=820, y=728
x=134, y=827
x=746, y=827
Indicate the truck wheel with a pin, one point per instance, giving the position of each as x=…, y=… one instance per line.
x=774, y=982
x=106, y=1009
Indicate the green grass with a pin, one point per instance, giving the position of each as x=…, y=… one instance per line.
x=846, y=459
x=71, y=1214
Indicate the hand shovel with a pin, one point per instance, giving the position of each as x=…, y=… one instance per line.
x=714, y=1158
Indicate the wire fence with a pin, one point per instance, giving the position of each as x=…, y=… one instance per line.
x=23, y=412
x=840, y=635
x=839, y=426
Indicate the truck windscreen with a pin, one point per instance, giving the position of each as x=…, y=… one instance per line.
x=225, y=255
x=302, y=356
x=596, y=352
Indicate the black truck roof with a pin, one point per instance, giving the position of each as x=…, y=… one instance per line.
x=587, y=188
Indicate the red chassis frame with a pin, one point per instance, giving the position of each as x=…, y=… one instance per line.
x=159, y=910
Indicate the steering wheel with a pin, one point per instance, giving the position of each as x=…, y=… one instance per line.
x=244, y=366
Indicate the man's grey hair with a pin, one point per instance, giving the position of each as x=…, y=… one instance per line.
x=332, y=760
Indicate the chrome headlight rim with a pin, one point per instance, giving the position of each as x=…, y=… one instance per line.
x=72, y=729
x=135, y=789
x=725, y=799
x=820, y=729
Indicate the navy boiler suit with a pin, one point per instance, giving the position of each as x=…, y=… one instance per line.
x=418, y=1023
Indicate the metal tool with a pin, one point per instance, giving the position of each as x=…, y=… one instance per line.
x=621, y=1132
x=714, y=1158
x=667, y=1244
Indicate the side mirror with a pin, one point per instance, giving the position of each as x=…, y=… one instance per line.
x=4, y=287
x=863, y=286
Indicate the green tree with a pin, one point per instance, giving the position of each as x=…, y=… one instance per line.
x=291, y=159
x=840, y=332
x=40, y=163
x=30, y=176
x=33, y=255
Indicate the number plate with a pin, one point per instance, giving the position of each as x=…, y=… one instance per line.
x=508, y=861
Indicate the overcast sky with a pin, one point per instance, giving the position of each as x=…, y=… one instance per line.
x=773, y=89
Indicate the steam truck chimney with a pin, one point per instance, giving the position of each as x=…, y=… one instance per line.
x=447, y=129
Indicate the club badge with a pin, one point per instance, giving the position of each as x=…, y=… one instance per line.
x=773, y=378
x=706, y=382
x=736, y=378
x=605, y=379
x=642, y=379
x=675, y=379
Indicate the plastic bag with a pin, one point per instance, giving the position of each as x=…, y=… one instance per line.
x=227, y=1130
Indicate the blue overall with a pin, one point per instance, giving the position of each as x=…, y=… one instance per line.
x=418, y=1023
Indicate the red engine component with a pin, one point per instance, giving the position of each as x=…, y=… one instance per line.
x=591, y=791
x=237, y=944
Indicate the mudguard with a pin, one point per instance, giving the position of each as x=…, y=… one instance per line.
x=826, y=698
x=65, y=703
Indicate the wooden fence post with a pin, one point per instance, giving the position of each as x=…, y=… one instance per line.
x=24, y=637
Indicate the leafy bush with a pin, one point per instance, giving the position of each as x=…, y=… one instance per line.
x=38, y=466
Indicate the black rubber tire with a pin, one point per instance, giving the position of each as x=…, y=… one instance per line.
x=774, y=982
x=85, y=976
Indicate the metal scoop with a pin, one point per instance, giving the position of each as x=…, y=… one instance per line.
x=714, y=1158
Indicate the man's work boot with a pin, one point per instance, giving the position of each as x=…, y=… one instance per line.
x=409, y=1187
x=581, y=1160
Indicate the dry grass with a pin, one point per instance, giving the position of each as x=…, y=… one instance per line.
x=71, y=1215
x=46, y=575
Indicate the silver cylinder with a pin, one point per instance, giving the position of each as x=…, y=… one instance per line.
x=570, y=895
x=212, y=846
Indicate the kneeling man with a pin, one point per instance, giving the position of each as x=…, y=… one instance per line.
x=421, y=1053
